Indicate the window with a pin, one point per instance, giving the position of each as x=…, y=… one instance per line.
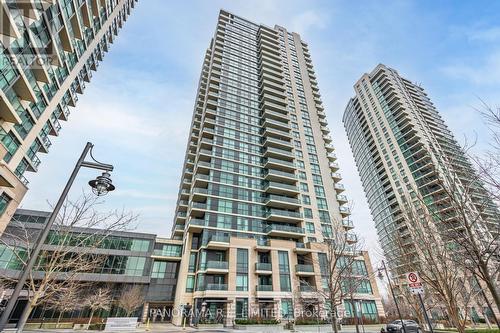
x=319, y=190
x=192, y=262
x=302, y=175
x=310, y=228
x=322, y=203
x=286, y=308
x=304, y=187
x=225, y=206
x=306, y=200
x=11, y=144
x=242, y=260
x=324, y=216
x=284, y=268
x=317, y=180
x=142, y=245
x=4, y=202
x=159, y=268
x=242, y=282
x=190, y=283
x=241, y=308
x=308, y=213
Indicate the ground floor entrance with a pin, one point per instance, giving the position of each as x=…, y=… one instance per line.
x=160, y=312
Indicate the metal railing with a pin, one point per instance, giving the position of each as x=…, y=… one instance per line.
x=262, y=266
x=304, y=268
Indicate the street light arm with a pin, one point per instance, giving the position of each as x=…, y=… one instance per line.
x=4, y=318
x=98, y=166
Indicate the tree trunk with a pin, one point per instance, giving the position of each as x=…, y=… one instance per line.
x=59, y=319
x=334, y=320
x=493, y=290
x=90, y=319
x=454, y=315
x=24, y=316
x=354, y=313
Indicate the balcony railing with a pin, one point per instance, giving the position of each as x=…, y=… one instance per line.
x=281, y=198
x=264, y=287
x=216, y=286
x=278, y=161
x=281, y=212
x=281, y=185
x=219, y=238
x=217, y=264
x=261, y=266
x=285, y=228
x=347, y=223
x=306, y=288
x=263, y=242
x=280, y=173
x=304, y=268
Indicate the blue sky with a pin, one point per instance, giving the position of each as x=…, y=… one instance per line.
x=138, y=107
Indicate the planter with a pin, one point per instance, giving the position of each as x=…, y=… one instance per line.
x=210, y=326
x=260, y=328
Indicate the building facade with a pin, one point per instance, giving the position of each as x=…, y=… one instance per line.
x=48, y=52
x=406, y=154
x=127, y=259
x=260, y=189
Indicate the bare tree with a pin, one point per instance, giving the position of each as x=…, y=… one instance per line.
x=69, y=250
x=130, y=299
x=435, y=260
x=98, y=299
x=340, y=277
x=66, y=300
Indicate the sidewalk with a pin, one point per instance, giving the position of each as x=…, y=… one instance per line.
x=154, y=328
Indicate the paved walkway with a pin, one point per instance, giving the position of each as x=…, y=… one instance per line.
x=169, y=328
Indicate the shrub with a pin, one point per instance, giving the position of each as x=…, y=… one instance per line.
x=255, y=321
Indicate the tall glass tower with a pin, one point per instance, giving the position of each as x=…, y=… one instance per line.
x=260, y=187
x=404, y=151
x=49, y=49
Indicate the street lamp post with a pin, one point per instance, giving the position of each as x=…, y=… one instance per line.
x=384, y=268
x=100, y=186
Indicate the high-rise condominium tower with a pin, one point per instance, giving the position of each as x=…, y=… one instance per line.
x=260, y=188
x=405, y=153
x=49, y=50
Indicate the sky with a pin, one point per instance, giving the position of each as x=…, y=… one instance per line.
x=137, y=109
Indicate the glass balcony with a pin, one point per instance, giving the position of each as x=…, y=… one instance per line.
x=302, y=268
x=216, y=286
x=284, y=228
x=281, y=212
x=282, y=186
x=261, y=266
x=219, y=238
x=306, y=288
x=211, y=264
x=264, y=287
x=347, y=223
x=274, y=197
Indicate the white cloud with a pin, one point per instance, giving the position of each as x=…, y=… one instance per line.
x=481, y=72
x=307, y=20
x=490, y=34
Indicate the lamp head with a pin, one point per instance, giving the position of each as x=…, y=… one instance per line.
x=102, y=184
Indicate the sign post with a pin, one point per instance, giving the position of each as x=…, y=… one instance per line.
x=417, y=288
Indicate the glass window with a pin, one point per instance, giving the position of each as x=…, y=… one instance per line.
x=242, y=260
x=308, y=213
x=4, y=202
x=306, y=200
x=286, y=309
x=242, y=282
x=190, y=283
x=241, y=308
x=310, y=228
